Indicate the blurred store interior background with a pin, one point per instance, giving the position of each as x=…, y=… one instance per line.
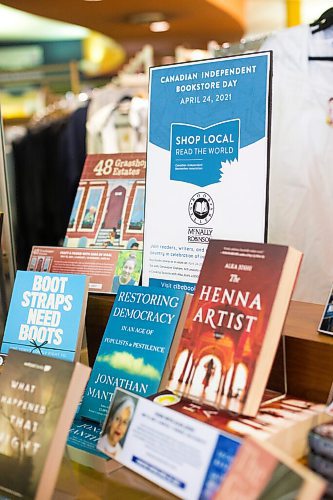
x=54, y=55
x=82, y=44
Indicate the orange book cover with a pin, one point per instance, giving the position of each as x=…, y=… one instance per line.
x=234, y=324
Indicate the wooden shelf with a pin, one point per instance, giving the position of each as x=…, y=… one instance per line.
x=302, y=323
x=78, y=482
x=309, y=370
x=309, y=354
x=98, y=312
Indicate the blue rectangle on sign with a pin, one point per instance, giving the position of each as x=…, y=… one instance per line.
x=158, y=472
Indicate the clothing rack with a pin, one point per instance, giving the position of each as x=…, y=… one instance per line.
x=214, y=49
x=60, y=108
x=136, y=71
x=183, y=54
x=245, y=45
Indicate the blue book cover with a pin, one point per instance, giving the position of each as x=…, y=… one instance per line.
x=84, y=436
x=81, y=446
x=135, y=347
x=46, y=314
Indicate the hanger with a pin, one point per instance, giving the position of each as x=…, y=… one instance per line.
x=323, y=22
x=320, y=58
x=61, y=108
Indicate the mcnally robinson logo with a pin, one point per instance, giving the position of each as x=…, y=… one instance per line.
x=201, y=208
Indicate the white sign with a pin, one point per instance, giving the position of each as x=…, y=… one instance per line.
x=207, y=162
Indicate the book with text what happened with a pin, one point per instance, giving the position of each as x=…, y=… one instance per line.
x=38, y=400
x=46, y=314
x=138, y=346
x=234, y=324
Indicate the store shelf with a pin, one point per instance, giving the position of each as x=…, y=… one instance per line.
x=98, y=312
x=302, y=323
x=309, y=354
x=78, y=482
x=309, y=370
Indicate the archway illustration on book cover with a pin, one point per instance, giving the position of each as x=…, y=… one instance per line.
x=219, y=369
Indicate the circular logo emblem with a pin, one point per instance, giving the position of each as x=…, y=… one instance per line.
x=201, y=208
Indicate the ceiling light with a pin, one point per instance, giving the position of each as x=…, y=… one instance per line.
x=145, y=17
x=159, y=26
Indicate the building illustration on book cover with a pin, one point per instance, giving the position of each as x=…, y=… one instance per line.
x=108, y=209
x=226, y=325
x=135, y=346
x=46, y=314
x=32, y=394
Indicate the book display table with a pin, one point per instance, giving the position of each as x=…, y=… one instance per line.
x=309, y=357
x=309, y=354
x=79, y=482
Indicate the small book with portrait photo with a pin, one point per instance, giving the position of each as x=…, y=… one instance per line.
x=81, y=446
x=116, y=424
x=326, y=321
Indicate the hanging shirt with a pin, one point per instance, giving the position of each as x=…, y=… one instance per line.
x=301, y=169
x=111, y=129
x=48, y=162
x=138, y=119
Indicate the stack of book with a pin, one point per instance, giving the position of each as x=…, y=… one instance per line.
x=41, y=382
x=197, y=366
x=320, y=458
x=221, y=366
x=267, y=473
x=284, y=423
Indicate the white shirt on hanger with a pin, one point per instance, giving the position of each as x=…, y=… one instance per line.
x=110, y=130
x=301, y=169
